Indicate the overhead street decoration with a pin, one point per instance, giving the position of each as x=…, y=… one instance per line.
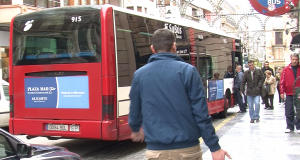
x=273, y=7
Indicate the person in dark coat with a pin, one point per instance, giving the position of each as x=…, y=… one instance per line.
x=254, y=78
x=229, y=73
x=264, y=69
x=267, y=68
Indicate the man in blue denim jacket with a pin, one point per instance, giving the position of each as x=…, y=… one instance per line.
x=168, y=100
x=237, y=84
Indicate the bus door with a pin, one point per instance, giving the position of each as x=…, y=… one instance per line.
x=201, y=61
x=237, y=58
x=204, y=65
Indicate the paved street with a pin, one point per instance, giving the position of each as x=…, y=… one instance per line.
x=260, y=141
x=243, y=140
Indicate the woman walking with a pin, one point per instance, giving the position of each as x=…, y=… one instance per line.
x=278, y=75
x=271, y=81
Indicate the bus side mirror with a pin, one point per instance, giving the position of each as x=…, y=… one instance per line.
x=24, y=150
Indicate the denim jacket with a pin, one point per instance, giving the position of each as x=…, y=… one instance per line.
x=238, y=80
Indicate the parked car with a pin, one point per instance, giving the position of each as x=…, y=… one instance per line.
x=12, y=148
x=4, y=104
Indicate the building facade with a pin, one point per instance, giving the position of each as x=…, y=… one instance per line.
x=278, y=39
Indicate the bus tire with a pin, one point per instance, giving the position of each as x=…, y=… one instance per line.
x=223, y=114
x=228, y=96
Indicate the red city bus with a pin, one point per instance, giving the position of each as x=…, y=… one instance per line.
x=71, y=68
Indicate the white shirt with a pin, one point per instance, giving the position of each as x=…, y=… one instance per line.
x=252, y=73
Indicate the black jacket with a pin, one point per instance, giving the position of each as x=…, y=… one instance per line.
x=228, y=75
x=270, y=69
x=253, y=86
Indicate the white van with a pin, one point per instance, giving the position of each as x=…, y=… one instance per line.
x=4, y=104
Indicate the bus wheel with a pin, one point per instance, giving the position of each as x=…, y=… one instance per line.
x=223, y=114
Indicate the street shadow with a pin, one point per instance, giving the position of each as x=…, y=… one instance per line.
x=120, y=150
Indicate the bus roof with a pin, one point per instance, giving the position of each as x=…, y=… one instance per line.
x=183, y=22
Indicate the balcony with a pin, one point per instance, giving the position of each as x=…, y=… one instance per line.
x=278, y=27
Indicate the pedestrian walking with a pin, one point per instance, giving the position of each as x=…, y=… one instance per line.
x=278, y=75
x=267, y=68
x=264, y=69
x=229, y=73
x=271, y=82
x=237, y=90
x=288, y=77
x=254, y=79
x=168, y=100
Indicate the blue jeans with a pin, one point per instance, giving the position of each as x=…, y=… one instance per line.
x=291, y=120
x=239, y=99
x=254, y=113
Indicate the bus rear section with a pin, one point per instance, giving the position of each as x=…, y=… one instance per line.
x=60, y=85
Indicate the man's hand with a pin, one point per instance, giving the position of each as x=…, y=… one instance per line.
x=282, y=96
x=220, y=155
x=138, y=136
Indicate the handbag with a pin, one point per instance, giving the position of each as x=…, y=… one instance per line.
x=268, y=89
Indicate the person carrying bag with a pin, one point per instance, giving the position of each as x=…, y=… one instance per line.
x=270, y=84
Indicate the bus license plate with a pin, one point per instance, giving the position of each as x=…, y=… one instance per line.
x=74, y=128
x=57, y=127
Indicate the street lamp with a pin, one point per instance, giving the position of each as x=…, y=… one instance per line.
x=168, y=14
x=258, y=42
x=287, y=28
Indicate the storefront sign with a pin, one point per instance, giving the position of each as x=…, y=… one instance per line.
x=182, y=50
x=4, y=28
x=273, y=7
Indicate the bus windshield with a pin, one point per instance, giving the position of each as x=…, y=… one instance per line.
x=56, y=38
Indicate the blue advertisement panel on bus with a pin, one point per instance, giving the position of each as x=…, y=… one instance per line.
x=215, y=90
x=57, y=92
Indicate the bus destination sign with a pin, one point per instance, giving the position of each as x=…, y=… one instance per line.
x=176, y=29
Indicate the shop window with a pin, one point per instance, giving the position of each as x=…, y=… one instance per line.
x=5, y=2
x=83, y=2
x=278, y=53
x=42, y=3
x=278, y=38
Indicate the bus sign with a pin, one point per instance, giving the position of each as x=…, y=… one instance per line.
x=176, y=29
x=57, y=92
x=273, y=7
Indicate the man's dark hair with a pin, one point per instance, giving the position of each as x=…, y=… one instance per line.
x=163, y=40
x=295, y=55
x=251, y=61
x=266, y=62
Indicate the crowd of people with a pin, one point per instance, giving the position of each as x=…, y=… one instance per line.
x=262, y=83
